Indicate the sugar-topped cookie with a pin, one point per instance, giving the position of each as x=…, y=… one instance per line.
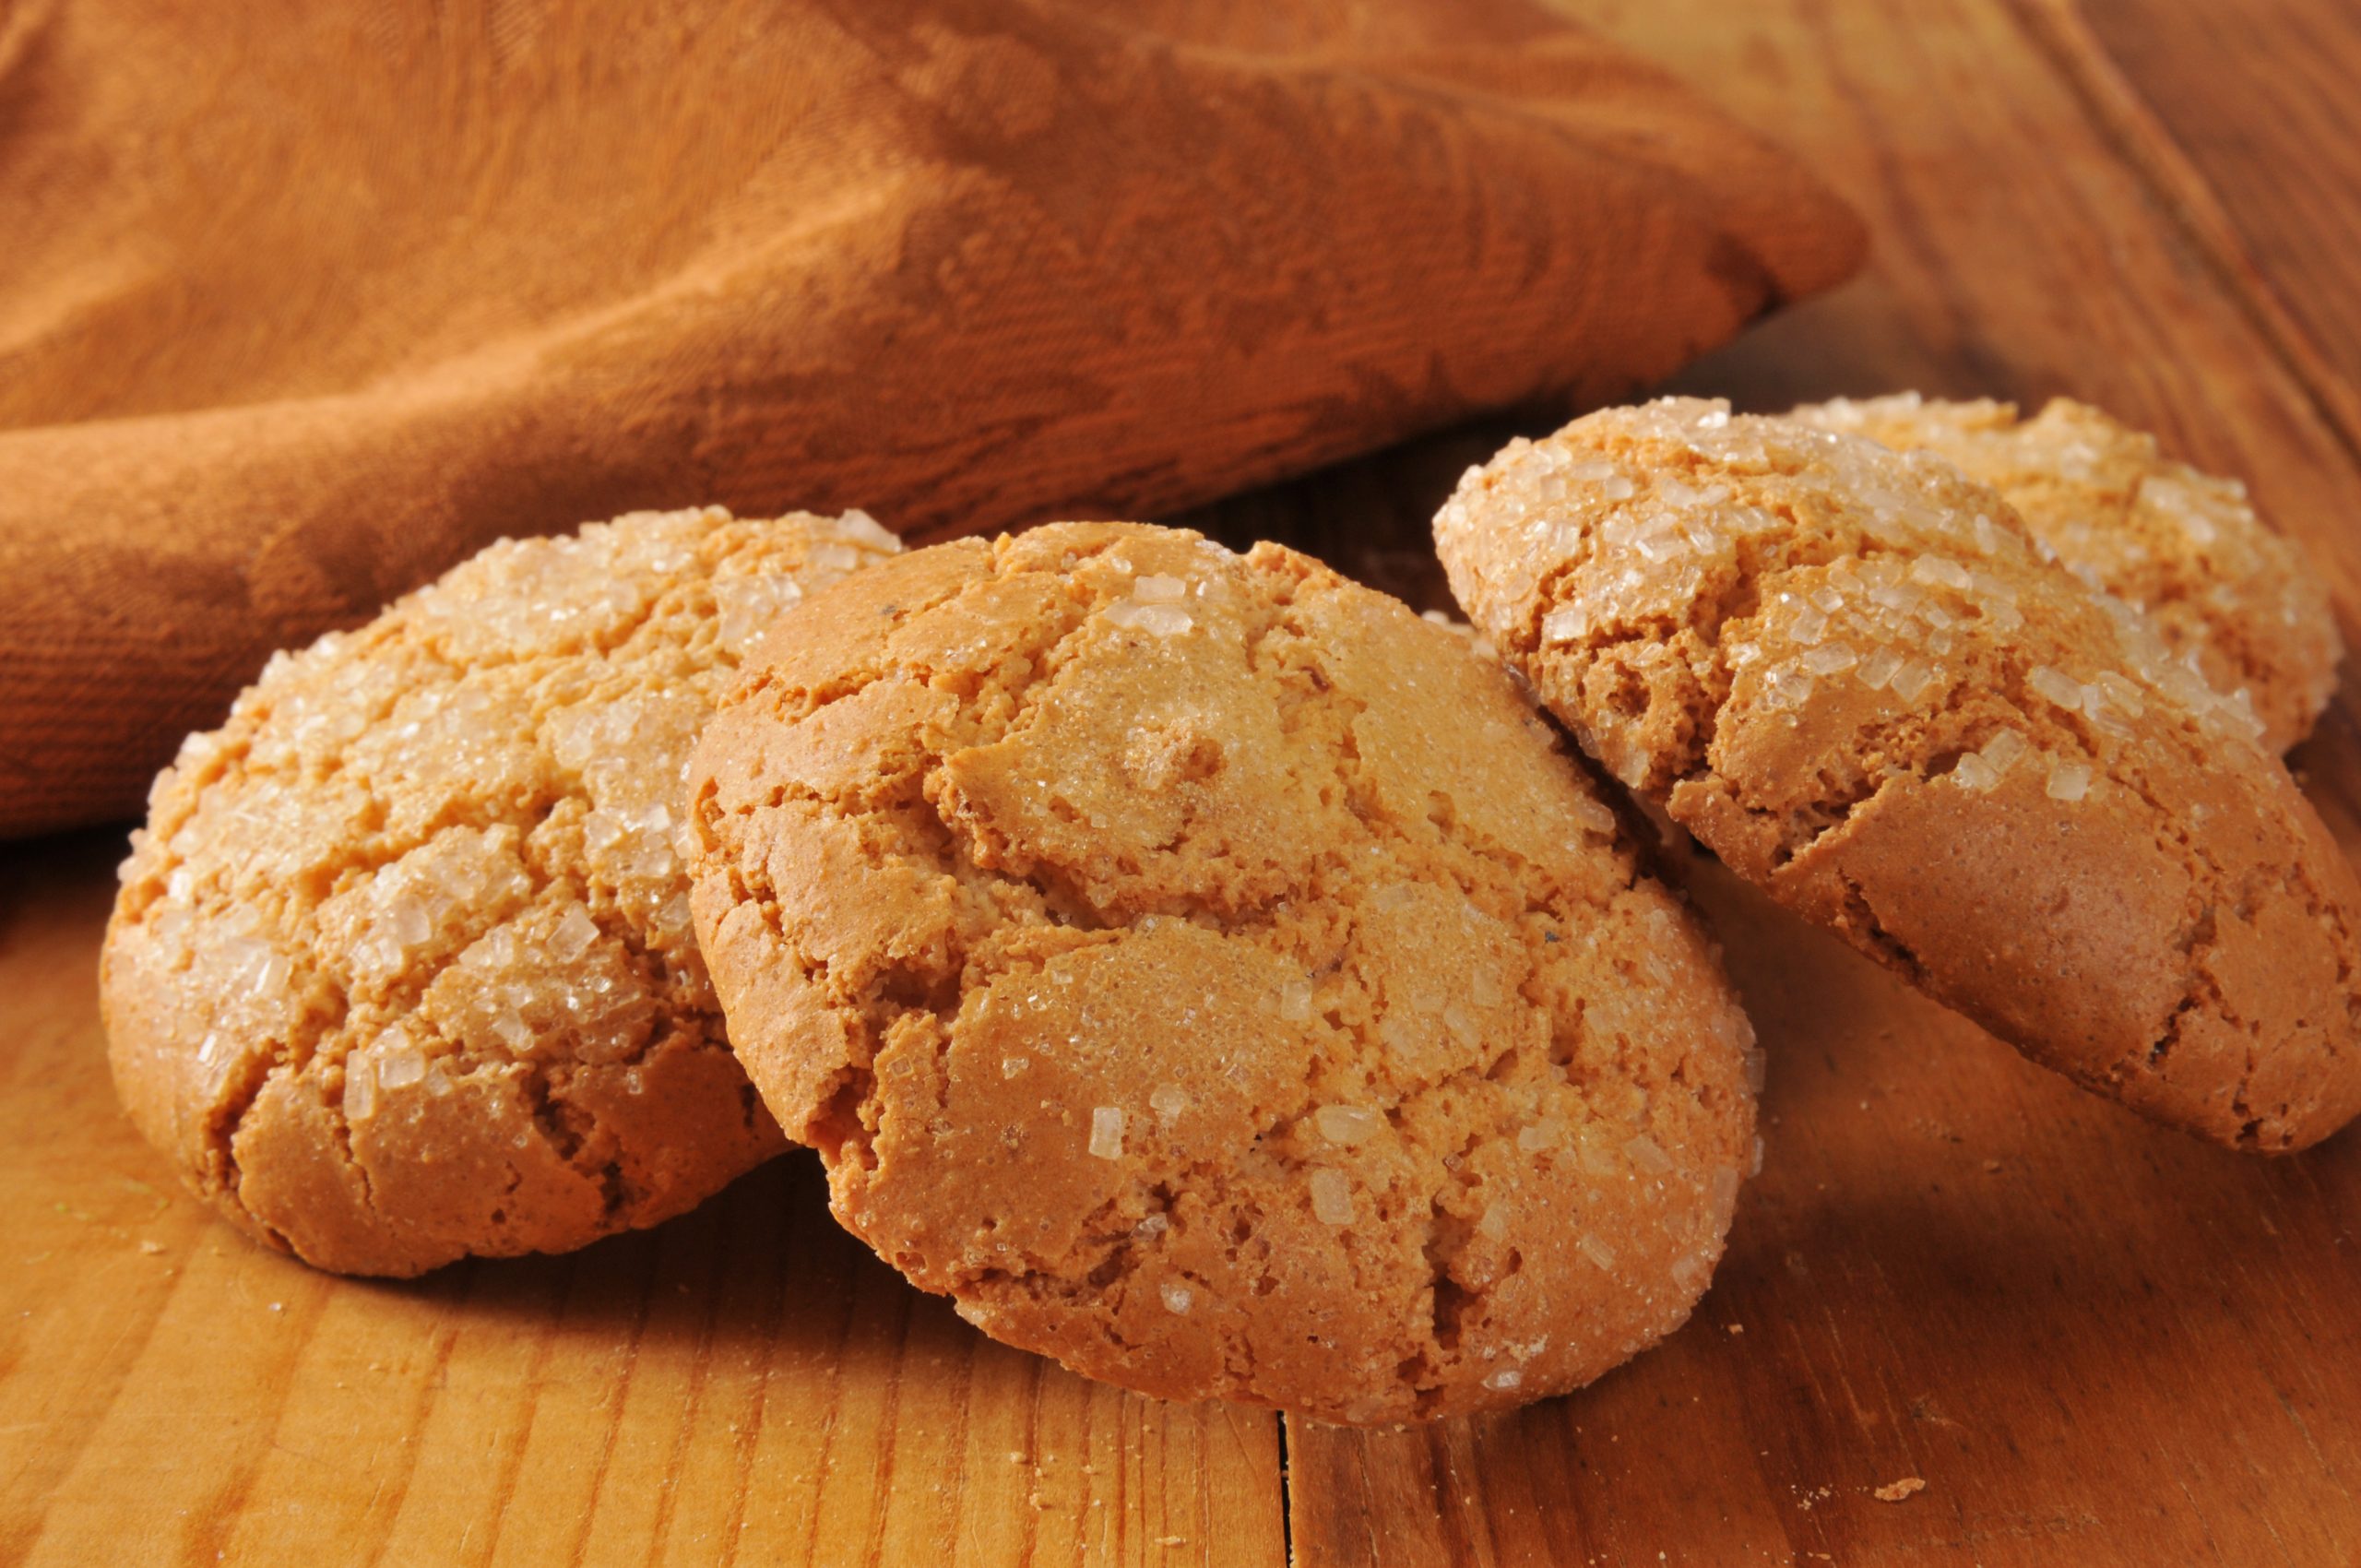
x=1852, y=674
x=1214, y=976
x=402, y=969
x=2236, y=600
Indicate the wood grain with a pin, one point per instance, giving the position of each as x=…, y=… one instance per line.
x=2242, y=116
x=2096, y=1342
x=746, y=1384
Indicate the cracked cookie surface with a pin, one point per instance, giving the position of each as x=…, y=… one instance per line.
x=2224, y=593
x=1851, y=675
x=1214, y=976
x=402, y=968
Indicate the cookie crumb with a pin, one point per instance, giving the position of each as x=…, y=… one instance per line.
x=1903, y=1487
x=1738, y=1328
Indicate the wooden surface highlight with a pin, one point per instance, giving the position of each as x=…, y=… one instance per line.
x=746, y=1384
x=2096, y=1342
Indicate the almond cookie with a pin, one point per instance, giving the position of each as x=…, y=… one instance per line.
x=402, y=968
x=1851, y=673
x=2225, y=593
x=1213, y=976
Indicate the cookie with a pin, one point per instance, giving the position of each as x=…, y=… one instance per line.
x=1852, y=674
x=401, y=968
x=1214, y=976
x=2236, y=600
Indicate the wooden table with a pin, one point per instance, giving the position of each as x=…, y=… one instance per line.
x=2096, y=1342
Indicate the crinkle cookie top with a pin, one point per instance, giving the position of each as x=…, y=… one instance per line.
x=2236, y=600
x=1216, y=977
x=1851, y=673
x=402, y=969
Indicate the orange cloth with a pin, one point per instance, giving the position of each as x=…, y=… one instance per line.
x=301, y=303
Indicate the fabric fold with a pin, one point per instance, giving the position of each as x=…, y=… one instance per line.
x=300, y=306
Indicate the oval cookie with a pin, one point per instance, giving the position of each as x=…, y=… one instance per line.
x=1213, y=976
x=1851, y=675
x=401, y=968
x=2225, y=593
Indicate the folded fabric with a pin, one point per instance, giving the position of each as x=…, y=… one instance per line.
x=299, y=304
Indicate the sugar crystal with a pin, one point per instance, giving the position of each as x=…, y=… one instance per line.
x=1107, y=1132
x=1648, y=1154
x=1781, y=688
x=1345, y=1123
x=400, y=1068
x=1462, y=1023
x=1332, y=1196
x=1568, y=623
x=2123, y=693
x=2004, y=749
x=1910, y=679
x=1162, y=620
x=2056, y=685
x=573, y=933
x=2069, y=780
x=1937, y=571
x=407, y=919
x=360, y=1091
x=514, y=1032
x=1178, y=1298
x=1878, y=668
x=1972, y=772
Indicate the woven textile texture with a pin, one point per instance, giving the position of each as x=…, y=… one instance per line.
x=301, y=305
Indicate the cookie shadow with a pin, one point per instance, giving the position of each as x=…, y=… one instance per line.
x=761, y=1270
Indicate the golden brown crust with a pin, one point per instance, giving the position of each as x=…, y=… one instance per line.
x=401, y=968
x=1852, y=675
x=1214, y=977
x=2184, y=548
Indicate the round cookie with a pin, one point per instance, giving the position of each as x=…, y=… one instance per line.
x=2225, y=593
x=1214, y=976
x=1849, y=672
x=401, y=968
